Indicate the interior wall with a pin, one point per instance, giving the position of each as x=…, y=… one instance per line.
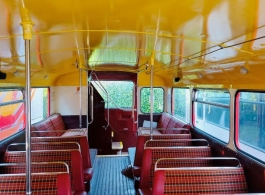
x=65, y=100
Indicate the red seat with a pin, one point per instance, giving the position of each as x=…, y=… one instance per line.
x=140, y=148
x=216, y=180
x=151, y=155
x=164, y=120
x=71, y=157
x=51, y=183
x=82, y=140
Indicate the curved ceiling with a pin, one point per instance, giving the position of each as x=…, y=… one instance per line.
x=194, y=39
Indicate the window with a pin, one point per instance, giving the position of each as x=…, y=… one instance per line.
x=158, y=100
x=120, y=93
x=39, y=104
x=12, y=110
x=250, y=123
x=212, y=113
x=181, y=103
x=11, y=113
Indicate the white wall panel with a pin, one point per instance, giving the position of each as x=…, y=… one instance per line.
x=65, y=100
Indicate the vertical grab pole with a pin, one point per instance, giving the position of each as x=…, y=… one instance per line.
x=80, y=97
x=151, y=77
x=28, y=118
x=87, y=90
x=151, y=100
x=27, y=24
x=91, y=104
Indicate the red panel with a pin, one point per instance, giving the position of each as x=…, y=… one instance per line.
x=159, y=179
x=145, y=172
x=63, y=184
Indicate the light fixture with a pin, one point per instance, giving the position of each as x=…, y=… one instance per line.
x=16, y=73
x=200, y=75
x=243, y=70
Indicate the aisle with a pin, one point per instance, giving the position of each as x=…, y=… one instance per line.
x=107, y=178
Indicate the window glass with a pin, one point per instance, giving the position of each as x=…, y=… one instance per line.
x=120, y=93
x=212, y=113
x=158, y=100
x=251, y=123
x=39, y=104
x=12, y=110
x=181, y=103
x=8, y=96
x=11, y=113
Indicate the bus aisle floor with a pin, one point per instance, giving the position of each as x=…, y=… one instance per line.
x=107, y=178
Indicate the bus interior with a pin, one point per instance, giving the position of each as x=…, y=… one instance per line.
x=132, y=97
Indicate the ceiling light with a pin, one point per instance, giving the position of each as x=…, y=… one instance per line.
x=200, y=75
x=243, y=70
x=16, y=73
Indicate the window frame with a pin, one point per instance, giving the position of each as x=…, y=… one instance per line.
x=210, y=128
x=244, y=147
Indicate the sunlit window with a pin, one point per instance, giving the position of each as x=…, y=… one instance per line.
x=116, y=94
x=212, y=113
x=39, y=104
x=11, y=113
x=158, y=100
x=181, y=103
x=250, y=124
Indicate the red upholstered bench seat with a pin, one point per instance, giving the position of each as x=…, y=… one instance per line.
x=167, y=124
x=54, y=126
x=71, y=157
x=84, y=145
x=44, y=183
x=151, y=155
x=140, y=148
x=213, y=180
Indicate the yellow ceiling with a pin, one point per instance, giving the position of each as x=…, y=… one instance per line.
x=203, y=41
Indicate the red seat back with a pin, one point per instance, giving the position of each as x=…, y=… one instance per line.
x=143, y=138
x=151, y=155
x=200, y=181
x=71, y=157
x=52, y=183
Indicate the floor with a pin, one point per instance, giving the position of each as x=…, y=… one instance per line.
x=107, y=178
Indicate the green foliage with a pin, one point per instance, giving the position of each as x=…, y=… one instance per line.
x=120, y=92
x=179, y=108
x=158, y=100
x=45, y=102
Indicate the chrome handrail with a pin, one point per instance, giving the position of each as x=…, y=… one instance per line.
x=91, y=106
x=176, y=141
x=196, y=158
x=45, y=143
x=36, y=163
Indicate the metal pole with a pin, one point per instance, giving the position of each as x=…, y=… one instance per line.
x=28, y=117
x=80, y=97
x=87, y=90
x=151, y=101
x=27, y=24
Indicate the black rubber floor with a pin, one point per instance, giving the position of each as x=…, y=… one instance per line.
x=107, y=178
